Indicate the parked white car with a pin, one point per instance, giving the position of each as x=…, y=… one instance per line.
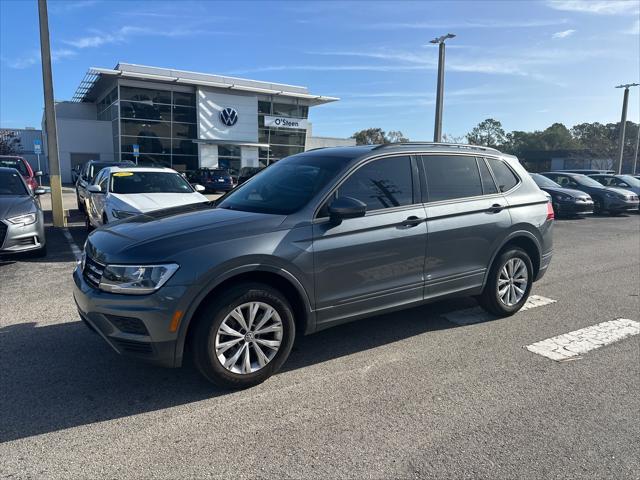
x=121, y=192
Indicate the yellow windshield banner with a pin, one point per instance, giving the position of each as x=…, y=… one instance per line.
x=123, y=174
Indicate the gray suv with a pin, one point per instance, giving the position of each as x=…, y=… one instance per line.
x=317, y=239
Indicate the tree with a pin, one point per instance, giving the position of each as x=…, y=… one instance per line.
x=370, y=136
x=489, y=133
x=395, y=136
x=9, y=142
x=449, y=138
x=377, y=136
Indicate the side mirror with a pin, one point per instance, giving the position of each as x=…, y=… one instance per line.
x=346, y=207
x=94, y=189
x=39, y=191
x=38, y=173
x=198, y=187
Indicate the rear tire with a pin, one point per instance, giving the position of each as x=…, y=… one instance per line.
x=80, y=204
x=513, y=271
x=250, y=357
x=87, y=224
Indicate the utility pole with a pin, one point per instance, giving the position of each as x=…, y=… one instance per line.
x=437, y=129
x=635, y=157
x=623, y=123
x=59, y=219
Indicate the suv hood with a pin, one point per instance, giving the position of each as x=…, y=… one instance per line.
x=164, y=234
x=565, y=191
x=145, y=202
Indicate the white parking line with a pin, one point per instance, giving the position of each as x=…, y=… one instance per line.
x=74, y=247
x=572, y=344
x=469, y=316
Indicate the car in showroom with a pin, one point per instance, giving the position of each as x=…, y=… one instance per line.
x=315, y=240
x=566, y=202
x=214, y=180
x=605, y=199
x=626, y=182
x=122, y=192
x=22, y=166
x=21, y=217
x=87, y=174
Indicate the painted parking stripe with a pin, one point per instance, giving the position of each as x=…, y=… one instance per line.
x=469, y=316
x=72, y=244
x=571, y=345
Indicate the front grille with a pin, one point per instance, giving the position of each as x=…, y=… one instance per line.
x=3, y=232
x=128, y=324
x=132, y=346
x=92, y=272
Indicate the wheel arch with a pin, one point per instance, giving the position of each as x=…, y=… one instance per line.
x=525, y=240
x=278, y=278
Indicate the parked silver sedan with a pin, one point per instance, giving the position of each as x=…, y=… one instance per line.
x=21, y=218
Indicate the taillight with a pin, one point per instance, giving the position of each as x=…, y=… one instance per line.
x=550, y=214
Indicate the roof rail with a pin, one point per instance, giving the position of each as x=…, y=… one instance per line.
x=439, y=144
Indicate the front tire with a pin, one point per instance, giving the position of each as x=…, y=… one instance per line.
x=598, y=206
x=509, y=283
x=243, y=336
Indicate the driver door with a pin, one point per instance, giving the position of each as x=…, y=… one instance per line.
x=376, y=261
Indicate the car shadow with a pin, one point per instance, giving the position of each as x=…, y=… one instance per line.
x=61, y=376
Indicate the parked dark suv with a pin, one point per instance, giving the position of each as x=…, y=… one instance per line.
x=213, y=179
x=315, y=240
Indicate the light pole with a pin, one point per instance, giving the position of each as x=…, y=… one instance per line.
x=437, y=129
x=59, y=219
x=623, y=123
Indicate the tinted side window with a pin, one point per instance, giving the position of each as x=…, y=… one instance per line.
x=451, y=176
x=488, y=185
x=383, y=183
x=504, y=176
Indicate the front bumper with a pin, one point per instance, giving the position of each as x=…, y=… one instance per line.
x=218, y=186
x=622, y=205
x=575, y=208
x=21, y=238
x=133, y=325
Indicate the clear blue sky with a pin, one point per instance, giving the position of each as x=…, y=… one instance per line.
x=525, y=63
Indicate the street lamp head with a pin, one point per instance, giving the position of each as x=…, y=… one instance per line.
x=627, y=85
x=441, y=39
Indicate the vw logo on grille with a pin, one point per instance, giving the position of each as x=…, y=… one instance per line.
x=229, y=116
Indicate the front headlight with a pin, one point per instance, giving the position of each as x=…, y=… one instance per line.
x=120, y=214
x=136, y=280
x=27, y=219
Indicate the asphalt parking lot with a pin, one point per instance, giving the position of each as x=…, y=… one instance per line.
x=406, y=395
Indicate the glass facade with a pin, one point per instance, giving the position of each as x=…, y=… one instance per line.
x=161, y=122
x=282, y=141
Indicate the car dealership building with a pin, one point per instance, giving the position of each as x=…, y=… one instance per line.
x=184, y=120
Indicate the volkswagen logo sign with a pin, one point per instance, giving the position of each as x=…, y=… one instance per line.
x=229, y=116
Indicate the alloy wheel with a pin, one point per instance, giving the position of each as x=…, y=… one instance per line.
x=248, y=338
x=512, y=282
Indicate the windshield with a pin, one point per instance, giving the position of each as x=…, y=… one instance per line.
x=586, y=181
x=149, y=182
x=543, y=181
x=284, y=187
x=12, y=184
x=634, y=182
x=16, y=163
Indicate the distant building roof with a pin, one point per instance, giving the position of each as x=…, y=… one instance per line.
x=87, y=91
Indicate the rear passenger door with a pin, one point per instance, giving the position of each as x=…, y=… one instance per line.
x=376, y=261
x=467, y=220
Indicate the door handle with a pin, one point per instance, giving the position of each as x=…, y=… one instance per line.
x=496, y=208
x=412, y=221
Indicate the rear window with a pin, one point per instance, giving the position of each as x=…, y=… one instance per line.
x=504, y=176
x=16, y=163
